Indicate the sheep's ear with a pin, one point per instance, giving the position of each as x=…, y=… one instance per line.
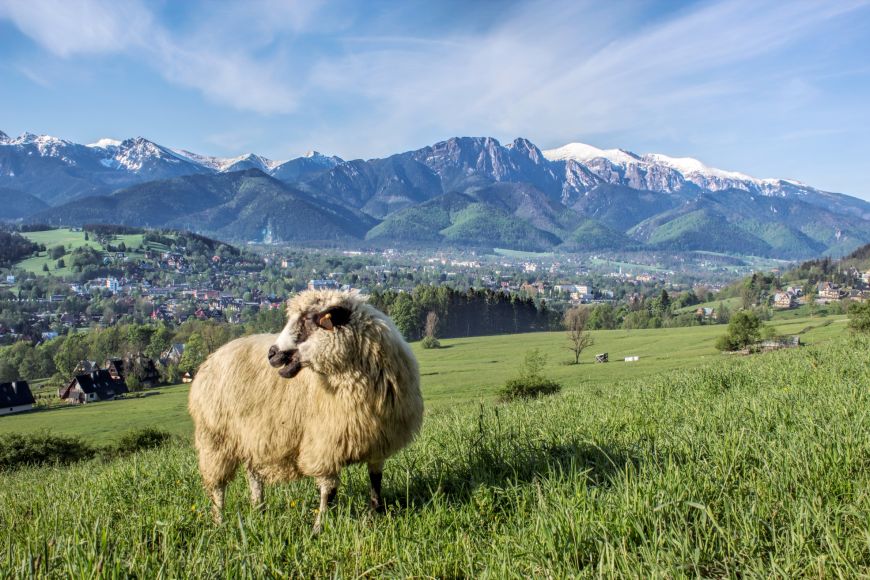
x=329, y=319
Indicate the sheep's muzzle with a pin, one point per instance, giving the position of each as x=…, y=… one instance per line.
x=287, y=361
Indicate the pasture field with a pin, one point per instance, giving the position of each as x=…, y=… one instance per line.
x=465, y=371
x=70, y=240
x=743, y=467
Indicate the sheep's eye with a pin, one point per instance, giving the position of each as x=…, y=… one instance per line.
x=333, y=317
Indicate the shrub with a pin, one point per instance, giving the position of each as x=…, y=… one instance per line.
x=140, y=439
x=531, y=383
x=744, y=330
x=430, y=342
x=528, y=388
x=859, y=317
x=22, y=450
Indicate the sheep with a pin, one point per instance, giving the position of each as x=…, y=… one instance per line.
x=346, y=390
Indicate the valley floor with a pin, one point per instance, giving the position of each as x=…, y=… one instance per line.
x=739, y=466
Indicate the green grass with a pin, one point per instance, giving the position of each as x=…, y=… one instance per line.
x=465, y=371
x=164, y=408
x=747, y=467
x=70, y=240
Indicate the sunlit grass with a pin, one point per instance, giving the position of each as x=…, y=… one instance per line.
x=746, y=466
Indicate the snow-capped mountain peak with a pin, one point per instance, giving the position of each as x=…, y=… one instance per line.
x=105, y=143
x=688, y=166
x=582, y=152
x=4, y=138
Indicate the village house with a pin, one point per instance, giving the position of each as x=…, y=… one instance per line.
x=147, y=373
x=173, y=354
x=95, y=386
x=706, y=313
x=783, y=300
x=829, y=291
x=15, y=397
x=85, y=367
x=323, y=285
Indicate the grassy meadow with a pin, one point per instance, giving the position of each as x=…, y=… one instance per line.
x=70, y=240
x=740, y=467
x=465, y=371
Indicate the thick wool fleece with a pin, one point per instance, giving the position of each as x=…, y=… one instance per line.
x=356, y=399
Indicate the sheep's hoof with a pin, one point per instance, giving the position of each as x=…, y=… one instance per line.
x=377, y=508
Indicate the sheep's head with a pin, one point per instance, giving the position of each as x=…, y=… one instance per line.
x=319, y=326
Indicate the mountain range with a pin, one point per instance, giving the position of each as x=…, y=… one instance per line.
x=465, y=191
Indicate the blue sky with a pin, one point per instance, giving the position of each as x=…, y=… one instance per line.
x=773, y=89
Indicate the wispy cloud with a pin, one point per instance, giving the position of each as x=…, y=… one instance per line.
x=204, y=58
x=554, y=71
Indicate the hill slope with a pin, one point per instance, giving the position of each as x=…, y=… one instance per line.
x=756, y=465
x=241, y=205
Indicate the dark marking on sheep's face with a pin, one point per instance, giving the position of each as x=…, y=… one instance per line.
x=288, y=361
x=287, y=357
x=334, y=317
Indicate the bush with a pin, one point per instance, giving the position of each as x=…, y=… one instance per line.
x=430, y=342
x=528, y=388
x=859, y=317
x=531, y=383
x=140, y=439
x=42, y=448
x=744, y=330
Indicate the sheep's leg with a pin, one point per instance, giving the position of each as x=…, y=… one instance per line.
x=216, y=493
x=255, y=483
x=328, y=488
x=217, y=469
x=376, y=474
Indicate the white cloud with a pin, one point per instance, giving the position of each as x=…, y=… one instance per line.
x=201, y=60
x=562, y=70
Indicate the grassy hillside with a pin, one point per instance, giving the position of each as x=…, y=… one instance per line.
x=70, y=240
x=465, y=371
x=748, y=467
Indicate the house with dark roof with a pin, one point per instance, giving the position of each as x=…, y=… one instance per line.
x=173, y=354
x=140, y=366
x=15, y=397
x=95, y=386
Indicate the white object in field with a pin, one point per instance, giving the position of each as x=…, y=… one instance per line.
x=632, y=358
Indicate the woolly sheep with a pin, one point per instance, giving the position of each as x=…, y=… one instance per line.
x=347, y=390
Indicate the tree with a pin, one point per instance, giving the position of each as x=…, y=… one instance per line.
x=430, y=340
x=575, y=322
x=139, y=337
x=602, y=317
x=431, y=328
x=73, y=350
x=194, y=354
x=161, y=340
x=859, y=318
x=744, y=330
x=60, y=264
x=406, y=315
x=8, y=371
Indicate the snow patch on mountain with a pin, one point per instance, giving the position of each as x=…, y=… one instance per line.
x=104, y=143
x=582, y=152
